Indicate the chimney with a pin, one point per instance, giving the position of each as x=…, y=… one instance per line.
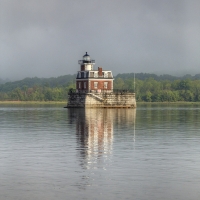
x=100, y=71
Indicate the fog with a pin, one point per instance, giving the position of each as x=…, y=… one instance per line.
x=46, y=38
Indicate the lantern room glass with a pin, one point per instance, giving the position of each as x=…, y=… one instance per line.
x=86, y=57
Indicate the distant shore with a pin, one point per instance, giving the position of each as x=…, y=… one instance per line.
x=33, y=102
x=65, y=102
x=166, y=102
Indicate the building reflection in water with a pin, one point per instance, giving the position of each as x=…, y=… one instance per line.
x=94, y=130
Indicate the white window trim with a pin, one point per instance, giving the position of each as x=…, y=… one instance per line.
x=95, y=85
x=105, y=84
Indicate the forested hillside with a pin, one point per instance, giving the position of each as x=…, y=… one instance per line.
x=151, y=90
x=148, y=87
x=30, y=82
x=2, y=81
x=37, y=89
x=143, y=76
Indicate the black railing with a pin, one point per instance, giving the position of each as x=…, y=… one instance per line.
x=85, y=61
x=99, y=77
x=116, y=91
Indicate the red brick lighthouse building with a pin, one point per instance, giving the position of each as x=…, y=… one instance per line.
x=90, y=80
x=94, y=88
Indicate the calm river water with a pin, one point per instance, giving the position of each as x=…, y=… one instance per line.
x=48, y=152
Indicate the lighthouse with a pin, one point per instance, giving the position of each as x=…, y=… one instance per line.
x=90, y=80
x=94, y=89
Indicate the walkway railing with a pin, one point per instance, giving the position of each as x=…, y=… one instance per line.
x=116, y=91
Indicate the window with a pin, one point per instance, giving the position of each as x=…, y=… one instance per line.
x=87, y=74
x=79, y=85
x=105, y=85
x=92, y=74
x=79, y=74
x=82, y=74
x=95, y=74
x=105, y=74
x=84, y=85
x=95, y=85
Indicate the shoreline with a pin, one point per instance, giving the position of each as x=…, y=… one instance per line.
x=65, y=102
x=33, y=102
x=166, y=102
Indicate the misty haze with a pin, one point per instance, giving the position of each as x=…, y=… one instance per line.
x=47, y=38
x=99, y=99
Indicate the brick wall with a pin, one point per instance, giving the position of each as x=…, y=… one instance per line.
x=82, y=67
x=82, y=85
x=101, y=85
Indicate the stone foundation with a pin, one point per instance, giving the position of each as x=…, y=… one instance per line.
x=101, y=100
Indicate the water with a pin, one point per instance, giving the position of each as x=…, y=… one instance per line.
x=48, y=152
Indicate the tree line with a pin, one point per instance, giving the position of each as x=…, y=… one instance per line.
x=148, y=89
x=37, y=93
x=151, y=90
x=37, y=89
x=144, y=76
x=43, y=82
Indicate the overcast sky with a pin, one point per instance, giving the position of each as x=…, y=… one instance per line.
x=46, y=38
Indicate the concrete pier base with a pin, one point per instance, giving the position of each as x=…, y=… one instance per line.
x=101, y=100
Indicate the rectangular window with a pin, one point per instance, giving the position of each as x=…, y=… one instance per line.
x=84, y=85
x=105, y=85
x=79, y=85
x=91, y=74
x=87, y=74
x=79, y=74
x=95, y=74
x=95, y=85
x=82, y=74
x=105, y=74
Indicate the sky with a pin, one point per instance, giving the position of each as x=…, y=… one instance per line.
x=46, y=38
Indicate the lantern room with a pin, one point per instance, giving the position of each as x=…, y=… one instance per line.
x=86, y=63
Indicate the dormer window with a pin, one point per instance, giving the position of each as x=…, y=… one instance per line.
x=82, y=74
x=95, y=74
x=105, y=74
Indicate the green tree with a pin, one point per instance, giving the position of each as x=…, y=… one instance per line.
x=118, y=83
x=148, y=96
